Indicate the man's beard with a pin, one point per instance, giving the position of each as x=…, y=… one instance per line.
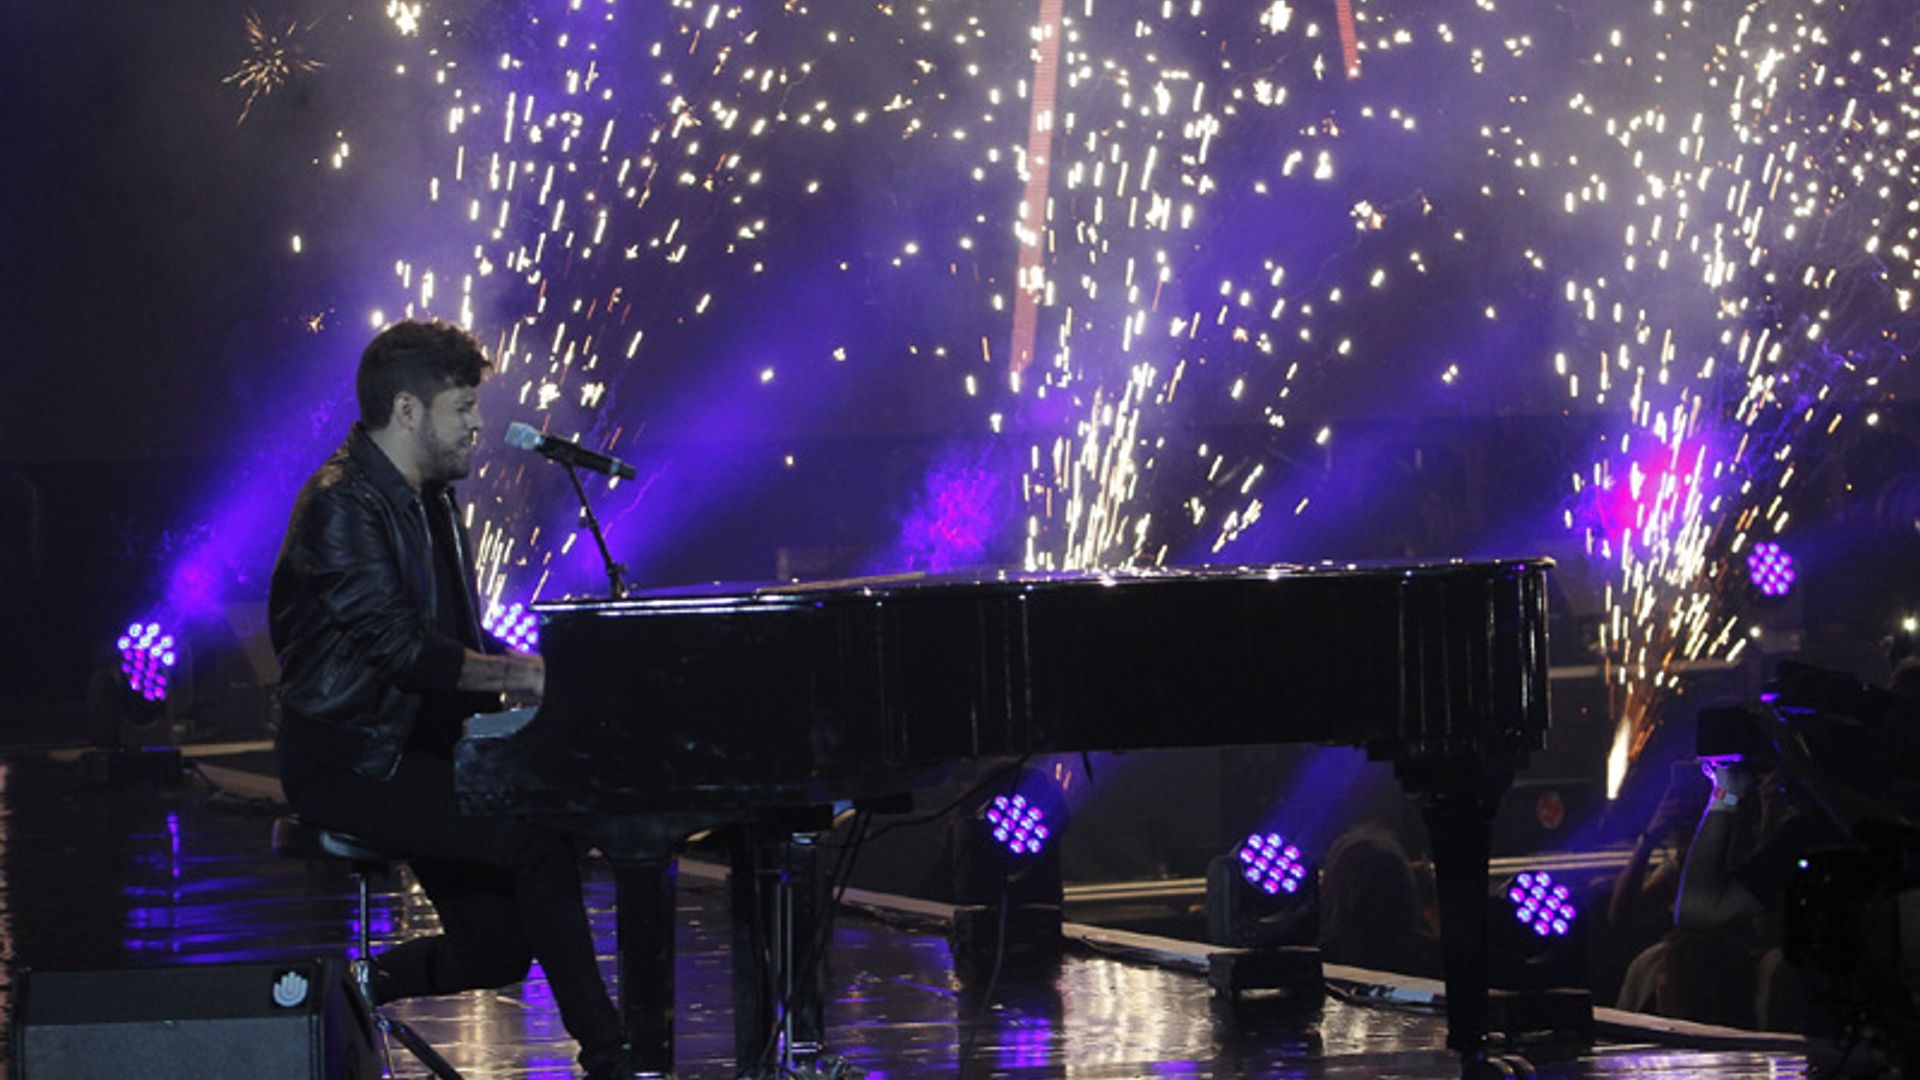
x=443, y=461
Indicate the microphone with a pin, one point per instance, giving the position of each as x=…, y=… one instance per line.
x=524, y=437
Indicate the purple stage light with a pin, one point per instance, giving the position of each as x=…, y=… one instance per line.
x=960, y=511
x=514, y=624
x=1770, y=569
x=147, y=656
x=1018, y=824
x=1272, y=865
x=1542, y=904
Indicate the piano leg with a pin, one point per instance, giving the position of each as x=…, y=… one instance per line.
x=752, y=1007
x=644, y=897
x=1457, y=796
x=804, y=889
x=777, y=899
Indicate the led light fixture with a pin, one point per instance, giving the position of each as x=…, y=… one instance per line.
x=514, y=624
x=1265, y=893
x=1016, y=824
x=147, y=657
x=1770, y=569
x=1542, y=904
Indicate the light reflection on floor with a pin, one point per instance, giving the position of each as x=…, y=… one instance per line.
x=99, y=878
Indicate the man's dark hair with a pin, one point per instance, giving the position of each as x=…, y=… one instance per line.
x=422, y=358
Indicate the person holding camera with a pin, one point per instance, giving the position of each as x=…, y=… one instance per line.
x=1683, y=974
x=1828, y=725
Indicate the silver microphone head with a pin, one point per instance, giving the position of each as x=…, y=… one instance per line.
x=523, y=437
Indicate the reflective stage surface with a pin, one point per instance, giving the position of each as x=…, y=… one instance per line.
x=97, y=876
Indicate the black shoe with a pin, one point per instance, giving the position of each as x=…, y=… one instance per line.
x=608, y=1063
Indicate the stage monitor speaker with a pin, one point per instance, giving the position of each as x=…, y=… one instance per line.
x=289, y=1021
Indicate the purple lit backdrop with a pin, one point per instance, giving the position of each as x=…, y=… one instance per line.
x=760, y=297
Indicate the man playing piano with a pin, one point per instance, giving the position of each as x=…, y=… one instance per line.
x=375, y=619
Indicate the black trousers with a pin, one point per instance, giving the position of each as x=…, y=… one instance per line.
x=507, y=893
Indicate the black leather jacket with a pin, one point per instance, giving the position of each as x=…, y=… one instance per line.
x=353, y=612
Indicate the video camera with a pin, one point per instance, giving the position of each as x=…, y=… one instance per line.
x=1734, y=732
x=1833, y=713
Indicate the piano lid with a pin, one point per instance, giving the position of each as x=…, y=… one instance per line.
x=739, y=596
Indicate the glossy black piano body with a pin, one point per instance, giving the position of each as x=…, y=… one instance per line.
x=670, y=712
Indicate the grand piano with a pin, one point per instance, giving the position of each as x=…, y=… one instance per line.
x=673, y=713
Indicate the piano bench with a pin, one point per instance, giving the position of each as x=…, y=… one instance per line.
x=296, y=839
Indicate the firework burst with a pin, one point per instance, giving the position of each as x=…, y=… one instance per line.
x=274, y=59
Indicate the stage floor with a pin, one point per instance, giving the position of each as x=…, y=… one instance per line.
x=104, y=877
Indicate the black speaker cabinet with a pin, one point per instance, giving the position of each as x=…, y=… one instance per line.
x=297, y=1021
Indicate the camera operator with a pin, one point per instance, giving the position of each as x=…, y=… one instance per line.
x=1669, y=972
x=1714, y=891
x=1829, y=726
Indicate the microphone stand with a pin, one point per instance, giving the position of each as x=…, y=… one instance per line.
x=616, y=574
